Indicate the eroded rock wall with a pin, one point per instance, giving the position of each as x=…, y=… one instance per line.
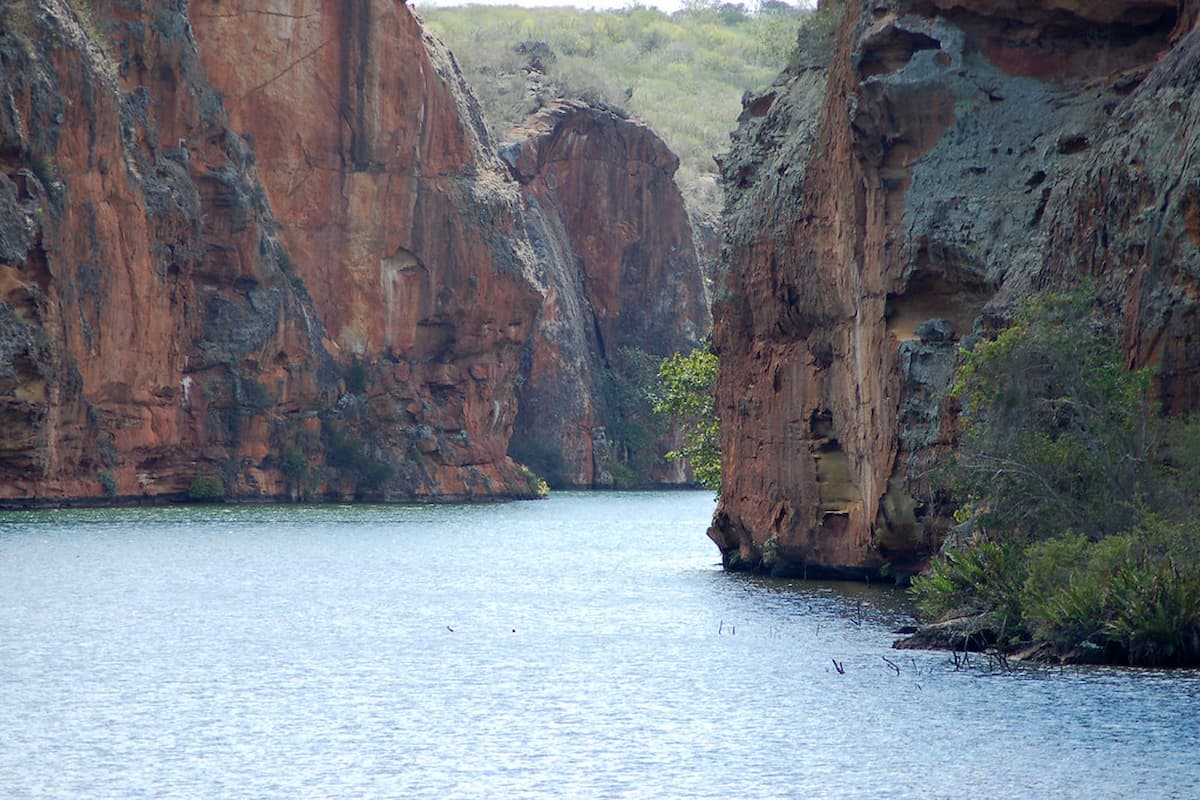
x=398, y=215
x=197, y=278
x=623, y=283
x=962, y=155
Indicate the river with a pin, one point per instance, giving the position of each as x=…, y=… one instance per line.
x=587, y=646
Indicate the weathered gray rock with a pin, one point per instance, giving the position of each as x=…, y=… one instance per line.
x=957, y=156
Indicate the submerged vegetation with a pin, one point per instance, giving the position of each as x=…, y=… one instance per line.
x=1085, y=539
x=684, y=73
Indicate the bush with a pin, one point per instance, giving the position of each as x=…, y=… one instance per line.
x=352, y=456
x=1061, y=461
x=356, y=376
x=206, y=489
x=986, y=578
x=536, y=485
x=295, y=466
x=1055, y=429
x=108, y=482
x=688, y=397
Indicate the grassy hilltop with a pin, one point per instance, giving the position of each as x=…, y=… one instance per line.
x=684, y=73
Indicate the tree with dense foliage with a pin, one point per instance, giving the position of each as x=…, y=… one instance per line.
x=1056, y=431
x=688, y=397
x=1086, y=538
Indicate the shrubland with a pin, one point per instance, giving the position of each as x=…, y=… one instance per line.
x=1080, y=496
x=683, y=73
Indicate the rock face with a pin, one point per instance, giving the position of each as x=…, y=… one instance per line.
x=954, y=157
x=267, y=244
x=397, y=215
x=622, y=283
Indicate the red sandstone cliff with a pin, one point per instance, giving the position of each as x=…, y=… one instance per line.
x=204, y=220
x=954, y=156
x=397, y=215
x=623, y=283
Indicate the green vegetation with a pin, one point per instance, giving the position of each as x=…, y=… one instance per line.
x=206, y=489
x=628, y=387
x=295, y=468
x=108, y=482
x=351, y=455
x=1086, y=536
x=1056, y=431
x=688, y=397
x=536, y=485
x=356, y=376
x=683, y=73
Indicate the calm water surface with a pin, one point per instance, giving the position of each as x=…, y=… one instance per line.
x=587, y=646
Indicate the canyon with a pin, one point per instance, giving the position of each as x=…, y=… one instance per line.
x=953, y=158
x=273, y=245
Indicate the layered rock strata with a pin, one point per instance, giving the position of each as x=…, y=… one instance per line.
x=623, y=290
x=265, y=243
x=954, y=157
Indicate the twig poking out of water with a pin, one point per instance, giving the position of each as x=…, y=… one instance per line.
x=891, y=664
x=450, y=629
x=997, y=660
x=857, y=614
x=721, y=628
x=818, y=629
x=961, y=660
x=841, y=669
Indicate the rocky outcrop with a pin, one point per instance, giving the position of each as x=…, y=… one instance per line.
x=955, y=156
x=623, y=290
x=397, y=215
x=267, y=244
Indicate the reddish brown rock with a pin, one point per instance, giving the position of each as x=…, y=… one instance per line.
x=164, y=310
x=397, y=214
x=624, y=289
x=953, y=157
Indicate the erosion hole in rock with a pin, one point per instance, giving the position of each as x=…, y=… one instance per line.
x=891, y=49
x=1061, y=42
x=837, y=492
x=759, y=106
x=1070, y=145
x=934, y=297
x=820, y=425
